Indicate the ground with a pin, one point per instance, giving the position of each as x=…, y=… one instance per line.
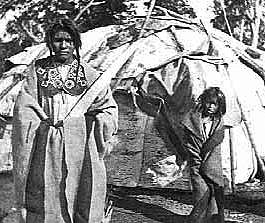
x=142, y=205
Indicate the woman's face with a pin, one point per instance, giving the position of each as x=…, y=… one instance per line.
x=211, y=106
x=63, y=47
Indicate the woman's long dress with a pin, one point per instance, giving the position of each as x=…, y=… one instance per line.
x=63, y=176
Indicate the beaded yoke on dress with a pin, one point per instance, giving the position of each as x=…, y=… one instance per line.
x=60, y=86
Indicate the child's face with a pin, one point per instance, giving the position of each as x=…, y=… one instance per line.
x=211, y=106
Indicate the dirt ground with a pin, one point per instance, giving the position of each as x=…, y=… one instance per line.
x=141, y=205
x=169, y=206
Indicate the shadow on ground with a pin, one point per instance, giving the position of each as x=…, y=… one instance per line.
x=146, y=205
x=151, y=211
x=126, y=198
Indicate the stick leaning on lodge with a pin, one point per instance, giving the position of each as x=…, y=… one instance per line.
x=104, y=79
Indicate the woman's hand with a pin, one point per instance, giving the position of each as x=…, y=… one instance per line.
x=104, y=130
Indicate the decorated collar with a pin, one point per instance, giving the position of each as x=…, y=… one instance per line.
x=51, y=81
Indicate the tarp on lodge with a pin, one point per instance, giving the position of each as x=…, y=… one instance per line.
x=174, y=61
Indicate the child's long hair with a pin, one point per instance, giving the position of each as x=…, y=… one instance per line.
x=212, y=92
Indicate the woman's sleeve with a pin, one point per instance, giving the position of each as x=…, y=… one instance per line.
x=27, y=100
x=105, y=111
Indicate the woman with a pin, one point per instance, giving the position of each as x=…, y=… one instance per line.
x=203, y=134
x=61, y=133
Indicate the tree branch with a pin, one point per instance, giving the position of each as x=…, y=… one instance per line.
x=86, y=8
x=29, y=31
x=226, y=19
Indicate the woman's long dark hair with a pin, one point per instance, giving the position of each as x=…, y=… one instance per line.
x=69, y=26
x=213, y=92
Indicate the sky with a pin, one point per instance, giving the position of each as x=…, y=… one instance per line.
x=203, y=10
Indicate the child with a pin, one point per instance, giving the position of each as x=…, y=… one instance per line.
x=203, y=134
